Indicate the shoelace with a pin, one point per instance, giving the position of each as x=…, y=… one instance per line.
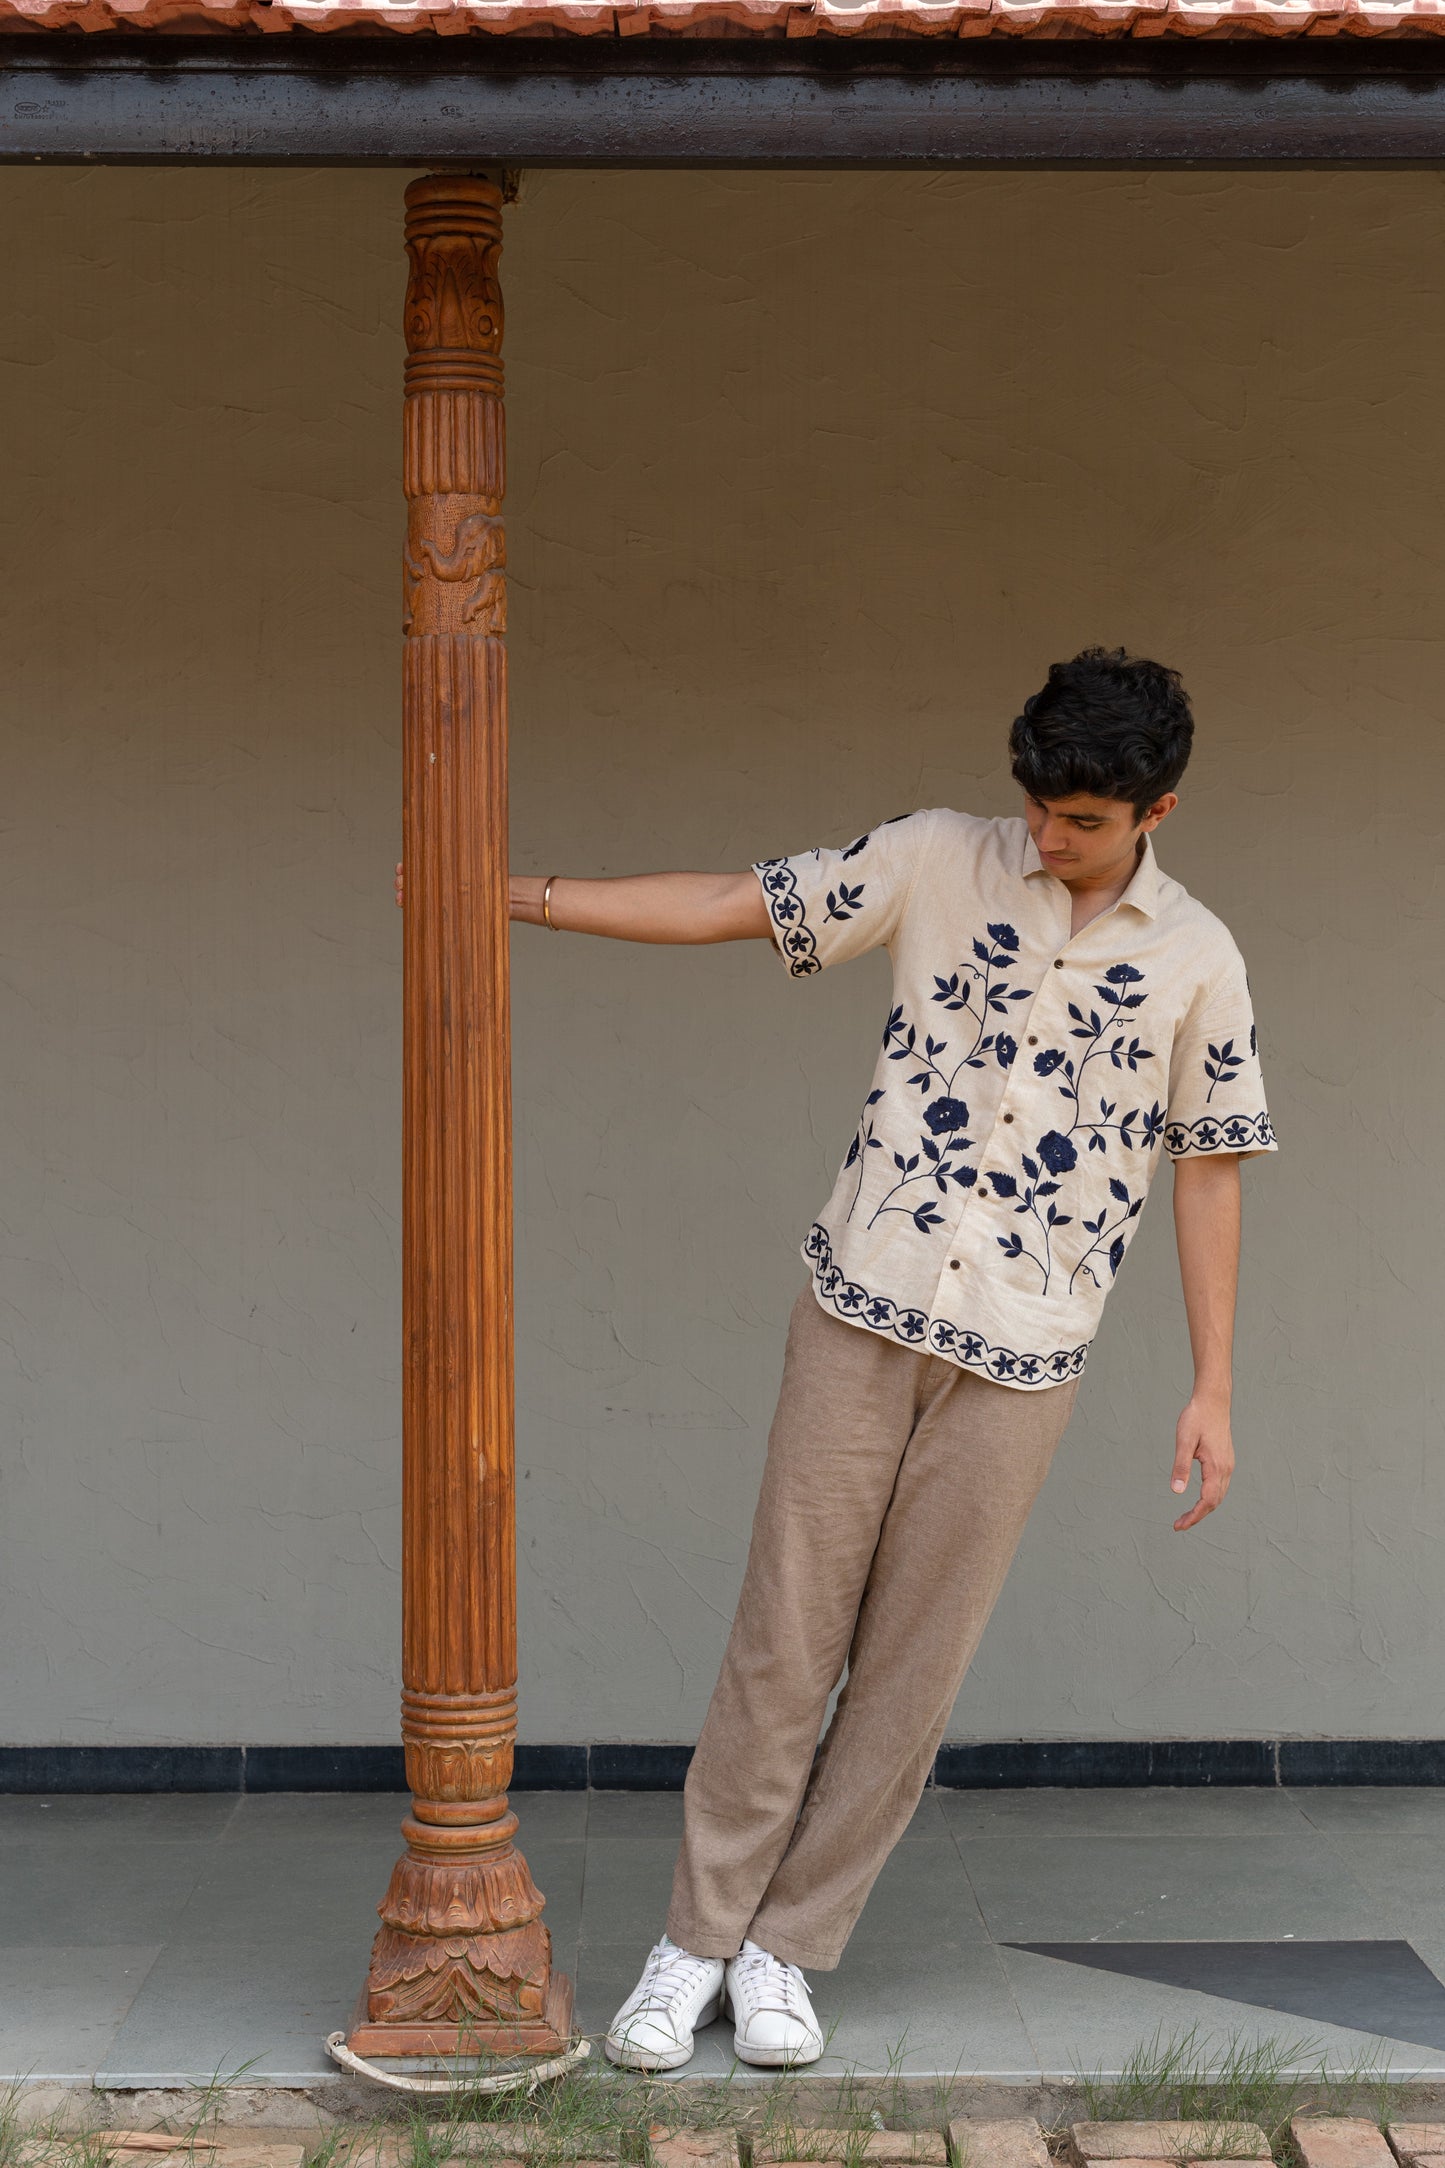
x=666, y=1975
x=768, y=1984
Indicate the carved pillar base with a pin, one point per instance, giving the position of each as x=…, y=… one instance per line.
x=462, y=1965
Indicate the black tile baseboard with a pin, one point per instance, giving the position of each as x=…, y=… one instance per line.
x=992, y=1765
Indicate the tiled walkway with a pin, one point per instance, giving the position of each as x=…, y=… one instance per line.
x=156, y=1940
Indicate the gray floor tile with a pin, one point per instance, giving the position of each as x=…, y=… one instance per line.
x=61, y=2007
x=320, y=1814
x=192, y=1817
x=619, y=1816
x=948, y=2009
x=1086, y=2022
x=551, y=1815
x=1063, y=1889
x=1386, y=1809
x=286, y=1888
x=209, y=2010
x=927, y=1817
x=96, y=1892
x=1151, y=1810
x=626, y=1890
x=923, y=1893
x=1404, y=1874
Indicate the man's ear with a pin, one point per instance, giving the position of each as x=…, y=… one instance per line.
x=1162, y=807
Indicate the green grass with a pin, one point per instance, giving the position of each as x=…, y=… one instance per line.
x=1181, y=2077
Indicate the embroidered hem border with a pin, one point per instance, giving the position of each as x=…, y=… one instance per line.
x=1216, y=1133
x=914, y=1327
x=796, y=938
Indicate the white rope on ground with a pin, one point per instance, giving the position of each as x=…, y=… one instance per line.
x=527, y=2078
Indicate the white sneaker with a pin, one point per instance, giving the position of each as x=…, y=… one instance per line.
x=653, y=2029
x=775, y=2022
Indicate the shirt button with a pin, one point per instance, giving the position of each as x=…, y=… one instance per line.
x=1008, y=1117
x=1033, y=1038
x=1058, y=963
x=953, y=1264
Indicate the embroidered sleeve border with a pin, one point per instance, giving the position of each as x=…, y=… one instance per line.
x=797, y=943
x=1220, y=1133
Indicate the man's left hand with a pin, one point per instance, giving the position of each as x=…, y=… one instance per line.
x=1203, y=1434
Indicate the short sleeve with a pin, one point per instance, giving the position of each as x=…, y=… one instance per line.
x=1216, y=1089
x=826, y=905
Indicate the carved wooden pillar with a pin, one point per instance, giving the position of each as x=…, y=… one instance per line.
x=462, y=1963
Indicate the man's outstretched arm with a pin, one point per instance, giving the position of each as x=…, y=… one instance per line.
x=645, y=906
x=1206, y=1229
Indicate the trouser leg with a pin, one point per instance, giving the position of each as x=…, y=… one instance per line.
x=846, y=1407
x=966, y=1481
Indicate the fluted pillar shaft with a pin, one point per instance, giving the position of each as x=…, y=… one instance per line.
x=462, y=1961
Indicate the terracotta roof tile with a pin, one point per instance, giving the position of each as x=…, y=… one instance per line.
x=1037, y=19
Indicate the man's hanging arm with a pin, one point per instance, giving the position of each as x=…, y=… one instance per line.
x=1206, y=1230
x=682, y=907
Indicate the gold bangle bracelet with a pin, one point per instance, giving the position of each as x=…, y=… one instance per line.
x=547, y=919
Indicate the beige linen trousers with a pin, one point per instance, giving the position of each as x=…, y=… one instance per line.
x=896, y=1488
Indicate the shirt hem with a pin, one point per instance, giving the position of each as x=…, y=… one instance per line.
x=857, y=1305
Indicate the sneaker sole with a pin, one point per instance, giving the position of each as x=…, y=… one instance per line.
x=773, y=2058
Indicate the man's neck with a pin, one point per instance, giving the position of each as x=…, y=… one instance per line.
x=1093, y=893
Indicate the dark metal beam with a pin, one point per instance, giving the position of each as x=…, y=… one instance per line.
x=294, y=98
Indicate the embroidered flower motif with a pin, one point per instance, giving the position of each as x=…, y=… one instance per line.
x=944, y=1116
x=1057, y=1153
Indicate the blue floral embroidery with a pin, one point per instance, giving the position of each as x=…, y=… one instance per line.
x=1235, y=1132
x=1107, y=1231
x=912, y=1326
x=844, y=902
x=796, y=938
x=938, y=1159
x=1121, y=995
x=1222, y=1066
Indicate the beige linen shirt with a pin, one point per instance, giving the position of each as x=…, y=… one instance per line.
x=1029, y=1082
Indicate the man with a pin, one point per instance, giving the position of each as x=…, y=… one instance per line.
x=1063, y=1017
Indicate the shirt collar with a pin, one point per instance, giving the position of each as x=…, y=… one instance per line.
x=1143, y=889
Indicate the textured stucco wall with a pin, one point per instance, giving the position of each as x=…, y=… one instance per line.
x=810, y=479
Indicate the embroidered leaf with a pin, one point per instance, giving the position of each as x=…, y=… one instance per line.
x=980, y=951
x=1116, y=1253
x=930, y=1151
x=1136, y=1207
x=1117, y=1189
x=1004, y=1185
x=874, y=1097
x=1031, y=1168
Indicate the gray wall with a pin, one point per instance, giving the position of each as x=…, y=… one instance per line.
x=811, y=478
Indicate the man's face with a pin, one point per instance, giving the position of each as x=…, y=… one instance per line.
x=1082, y=838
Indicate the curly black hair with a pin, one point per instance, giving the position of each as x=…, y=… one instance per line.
x=1107, y=723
